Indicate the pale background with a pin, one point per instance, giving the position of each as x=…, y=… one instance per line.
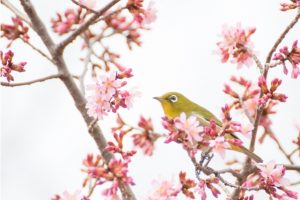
x=44, y=139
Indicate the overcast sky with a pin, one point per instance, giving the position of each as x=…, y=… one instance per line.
x=44, y=139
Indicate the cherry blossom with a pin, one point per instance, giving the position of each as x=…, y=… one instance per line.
x=107, y=96
x=15, y=30
x=292, y=56
x=88, y=3
x=273, y=173
x=290, y=6
x=219, y=145
x=236, y=45
x=8, y=65
x=189, y=125
x=164, y=190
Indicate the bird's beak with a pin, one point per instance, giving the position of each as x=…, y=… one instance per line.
x=158, y=98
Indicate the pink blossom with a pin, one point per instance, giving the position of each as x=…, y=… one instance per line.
x=290, y=6
x=190, y=126
x=15, y=30
x=8, y=65
x=165, y=190
x=150, y=13
x=236, y=45
x=201, y=189
x=219, y=145
x=273, y=173
x=292, y=56
x=69, y=196
x=107, y=96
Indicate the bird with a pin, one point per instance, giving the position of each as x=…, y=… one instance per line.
x=175, y=103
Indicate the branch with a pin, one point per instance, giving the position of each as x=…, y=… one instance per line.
x=39, y=51
x=281, y=37
x=74, y=91
x=292, y=167
x=84, y=7
x=30, y=82
x=84, y=26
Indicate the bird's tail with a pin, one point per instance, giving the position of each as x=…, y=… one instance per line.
x=247, y=152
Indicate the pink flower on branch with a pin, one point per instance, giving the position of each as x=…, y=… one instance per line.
x=219, y=145
x=189, y=125
x=290, y=6
x=15, y=30
x=107, y=95
x=146, y=138
x=236, y=45
x=8, y=66
x=292, y=56
x=269, y=93
x=272, y=179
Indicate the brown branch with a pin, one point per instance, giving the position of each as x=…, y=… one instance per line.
x=39, y=51
x=270, y=131
x=67, y=79
x=30, y=82
x=292, y=167
x=84, y=7
x=293, y=152
x=84, y=26
x=281, y=37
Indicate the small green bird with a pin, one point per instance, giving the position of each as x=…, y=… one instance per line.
x=174, y=103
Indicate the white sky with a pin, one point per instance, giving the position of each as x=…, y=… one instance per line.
x=44, y=139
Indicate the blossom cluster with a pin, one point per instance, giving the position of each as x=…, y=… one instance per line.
x=107, y=94
x=290, y=6
x=191, y=189
x=143, y=136
x=8, y=65
x=64, y=23
x=15, y=30
x=270, y=177
x=292, y=56
x=236, y=45
x=98, y=173
x=195, y=137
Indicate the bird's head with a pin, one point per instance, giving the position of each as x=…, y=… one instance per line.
x=174, y=103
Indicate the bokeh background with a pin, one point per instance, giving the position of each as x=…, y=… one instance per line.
x=44, y=139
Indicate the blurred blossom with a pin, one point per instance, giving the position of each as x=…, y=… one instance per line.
x=164, y=190
x=187, y=184
x=236, y=45
x=273, y=173
x=292, y=56
x=190, y=125
x=15, y=30
x=150, y=13
x=219, y=145
x=107, y=95
x=290, y=6
x=71, y=196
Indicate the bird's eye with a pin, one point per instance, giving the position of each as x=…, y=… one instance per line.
x=173, y=98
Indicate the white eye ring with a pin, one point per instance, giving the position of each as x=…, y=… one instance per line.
x=173, y=98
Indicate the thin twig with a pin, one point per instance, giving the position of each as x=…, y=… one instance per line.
x=270, y=131
x=17, y=12
x=84, y=7
x=258, y=63
x=293, y=152
x=31, y=82
x=83, y=27
x=39, y=51
x=295, y=183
